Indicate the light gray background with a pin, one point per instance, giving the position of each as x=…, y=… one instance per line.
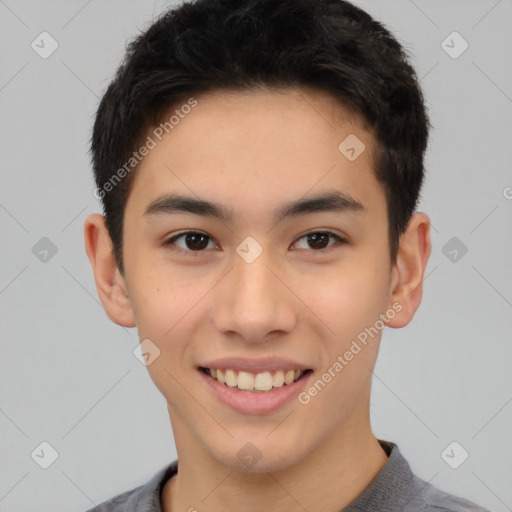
x=68, y=375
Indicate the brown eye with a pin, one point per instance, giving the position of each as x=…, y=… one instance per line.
x=197, y=242
x=319, y=240
x=193, y=241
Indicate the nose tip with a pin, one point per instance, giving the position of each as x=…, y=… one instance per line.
x=252, y=301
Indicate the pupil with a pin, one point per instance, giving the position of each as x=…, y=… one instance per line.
x=314, y=237
x=193, y=237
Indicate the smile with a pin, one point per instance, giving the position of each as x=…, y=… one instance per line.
x=255, y=382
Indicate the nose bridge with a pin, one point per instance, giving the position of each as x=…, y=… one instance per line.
x=253, y=278
x=254, y=302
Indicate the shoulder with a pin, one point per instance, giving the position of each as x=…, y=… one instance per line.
x=428, y=498
x=145, y=497
x=118, y=503
x=397, y=489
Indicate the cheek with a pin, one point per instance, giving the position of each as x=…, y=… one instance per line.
x=166, y=307
x=350, y=303
x=348, y=299
x=161, y=297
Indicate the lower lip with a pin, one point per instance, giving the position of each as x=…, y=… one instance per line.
x=255, y=403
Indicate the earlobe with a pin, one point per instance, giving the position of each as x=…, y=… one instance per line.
x=409, y=269
x=110, y=284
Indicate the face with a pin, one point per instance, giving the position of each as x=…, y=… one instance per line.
x=272, y=292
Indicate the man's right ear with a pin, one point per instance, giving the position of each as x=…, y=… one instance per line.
x=110, y=284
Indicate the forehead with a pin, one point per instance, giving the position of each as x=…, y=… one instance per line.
x=266, y=145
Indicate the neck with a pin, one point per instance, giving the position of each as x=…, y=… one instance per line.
x=328, y=478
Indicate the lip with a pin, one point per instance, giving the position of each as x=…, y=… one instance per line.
x=254, y=365
x=255, y=403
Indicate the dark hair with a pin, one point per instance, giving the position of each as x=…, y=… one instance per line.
x=207, y=45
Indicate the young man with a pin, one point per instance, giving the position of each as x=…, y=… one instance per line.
x=259, y=164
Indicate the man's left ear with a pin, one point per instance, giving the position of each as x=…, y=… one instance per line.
x=409, y=269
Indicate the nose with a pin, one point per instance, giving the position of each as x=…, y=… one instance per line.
x=254, y=303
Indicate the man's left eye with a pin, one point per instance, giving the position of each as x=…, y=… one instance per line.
x=195, y=241
x=320, y=238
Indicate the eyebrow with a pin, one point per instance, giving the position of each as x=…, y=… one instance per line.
x=331, y=201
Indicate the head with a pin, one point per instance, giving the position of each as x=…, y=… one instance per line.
x=247, y=107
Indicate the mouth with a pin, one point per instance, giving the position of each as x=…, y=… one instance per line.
x=262, y=382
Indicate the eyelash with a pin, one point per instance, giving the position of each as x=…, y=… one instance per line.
x=171, y=241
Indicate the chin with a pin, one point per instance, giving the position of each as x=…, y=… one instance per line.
x=261, y=457
x=264, y=465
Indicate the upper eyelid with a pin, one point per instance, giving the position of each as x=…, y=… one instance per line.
x=183, y=233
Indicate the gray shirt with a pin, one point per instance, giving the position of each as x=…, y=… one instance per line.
x=394, y=489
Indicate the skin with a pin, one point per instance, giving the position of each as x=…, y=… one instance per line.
x=252, y=152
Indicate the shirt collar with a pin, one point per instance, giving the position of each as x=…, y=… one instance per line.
x=390, y=489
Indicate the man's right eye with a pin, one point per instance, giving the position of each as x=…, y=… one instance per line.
x=193, y=241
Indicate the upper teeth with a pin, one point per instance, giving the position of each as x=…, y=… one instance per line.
x=260, y=381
